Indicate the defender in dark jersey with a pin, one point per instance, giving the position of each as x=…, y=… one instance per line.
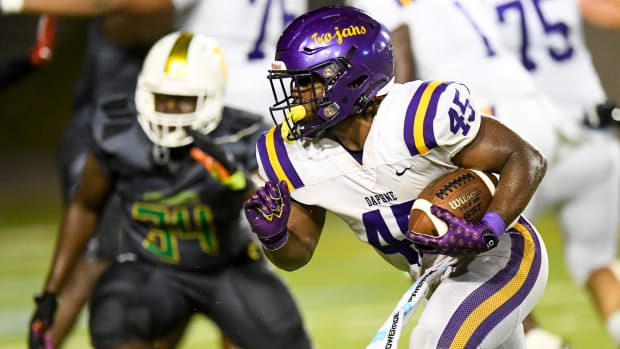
x=109, y=72
x=110, y=69
x=180, y=170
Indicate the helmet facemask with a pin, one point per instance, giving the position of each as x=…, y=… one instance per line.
x=167, y=129
x=299, y=88
x=341, y=48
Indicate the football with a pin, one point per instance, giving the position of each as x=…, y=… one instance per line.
x=464, y=192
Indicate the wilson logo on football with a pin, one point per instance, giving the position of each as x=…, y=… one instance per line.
x=464, y=199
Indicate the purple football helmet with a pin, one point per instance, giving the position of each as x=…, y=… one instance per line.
x=341, y=47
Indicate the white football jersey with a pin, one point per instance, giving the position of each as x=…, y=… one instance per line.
x=456, y=40
x=417, y=130
x=547, y=36
x=248, y=32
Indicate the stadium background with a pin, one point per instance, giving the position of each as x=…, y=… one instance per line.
x=345, y=293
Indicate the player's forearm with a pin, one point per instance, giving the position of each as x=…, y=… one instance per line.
x=304, y=228
x=521, y=167
x=78, y=226
x=518, y=181
x=83, y=7
x=293, y=255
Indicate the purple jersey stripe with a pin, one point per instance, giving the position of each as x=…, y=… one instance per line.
x=525, y=259
x=275, y=160
x=418, y=133
x=429, y=135
x=261, y=147
x=410, y=116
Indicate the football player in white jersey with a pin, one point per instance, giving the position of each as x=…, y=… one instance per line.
x=471, y=51
x=344, y=132
x=547, y=37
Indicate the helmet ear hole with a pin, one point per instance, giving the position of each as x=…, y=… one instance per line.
x=357, y=82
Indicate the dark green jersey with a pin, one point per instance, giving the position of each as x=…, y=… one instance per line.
x=174, y=212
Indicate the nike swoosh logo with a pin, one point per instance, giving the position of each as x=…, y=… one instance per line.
x=400, y=173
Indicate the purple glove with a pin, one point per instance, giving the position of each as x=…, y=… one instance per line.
x=267, y=211
x=463, y=237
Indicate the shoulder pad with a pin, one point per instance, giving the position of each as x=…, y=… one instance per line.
x=113, y=115
x=118, y=106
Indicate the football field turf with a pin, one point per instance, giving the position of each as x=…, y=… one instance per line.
x=345, y=293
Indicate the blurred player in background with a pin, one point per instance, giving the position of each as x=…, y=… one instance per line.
x=108, y=72
x=548, y=39
x=117, y=42
x=247, y=30
x=178, y=162
x=345, y=130
x=472, y=50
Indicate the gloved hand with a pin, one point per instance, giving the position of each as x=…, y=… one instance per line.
x=220, y=162
x=603, y=115
x=267, y=211
x=41, y=321
x=463, y=237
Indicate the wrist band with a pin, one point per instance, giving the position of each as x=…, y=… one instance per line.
x=495, y=222
x=275, y=242
x=11, y=6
